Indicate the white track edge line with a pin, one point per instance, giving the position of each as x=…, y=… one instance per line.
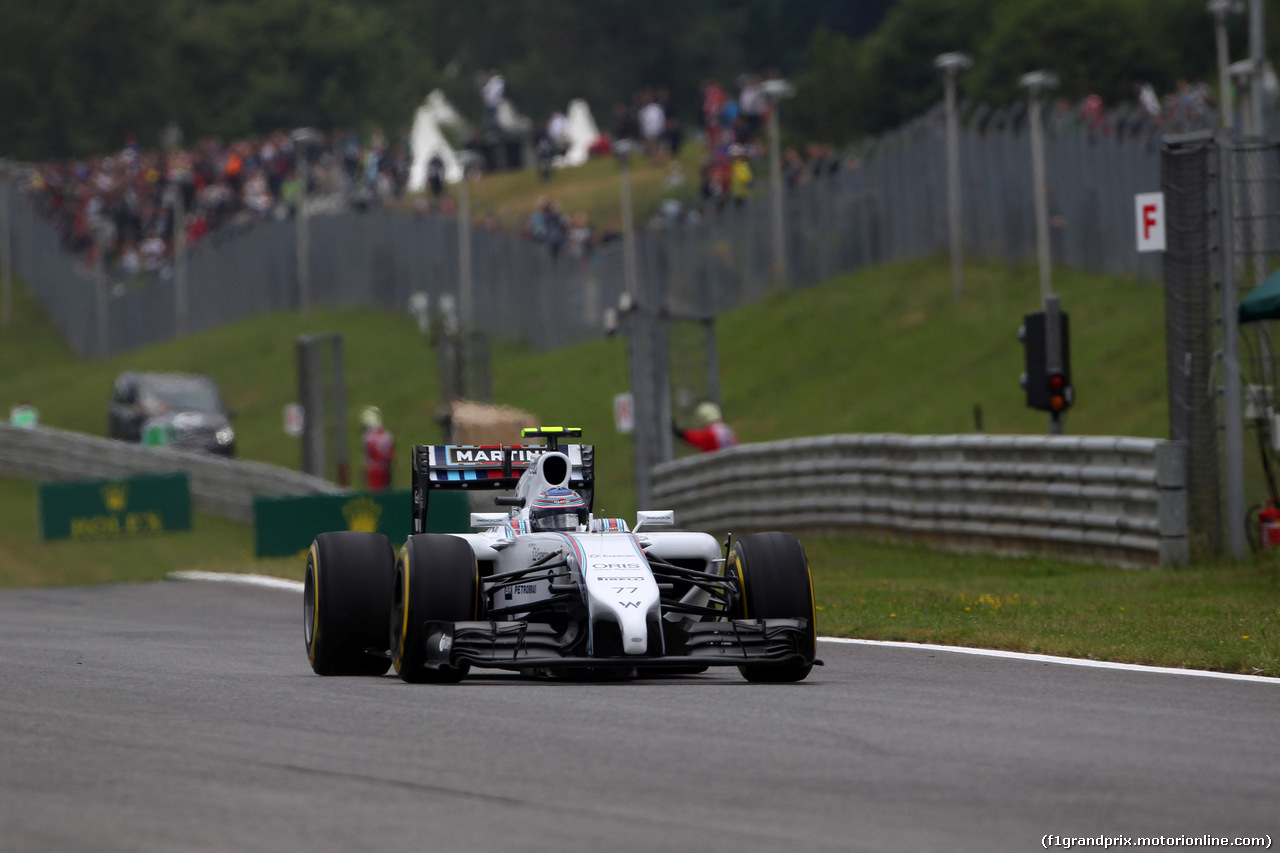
x=1025, y=656
x=296, y=586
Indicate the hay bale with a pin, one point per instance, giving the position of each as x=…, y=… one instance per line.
x=485, y=423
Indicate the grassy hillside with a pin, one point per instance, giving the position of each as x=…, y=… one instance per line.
x=880, y=350
x=592, y=188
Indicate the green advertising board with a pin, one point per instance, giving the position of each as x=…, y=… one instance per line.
x=142, y=505
x=285, y=525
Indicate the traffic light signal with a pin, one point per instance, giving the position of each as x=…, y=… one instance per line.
x=1046, y=343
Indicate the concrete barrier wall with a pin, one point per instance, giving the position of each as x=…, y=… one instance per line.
x=1111, y=499
x=221, y=486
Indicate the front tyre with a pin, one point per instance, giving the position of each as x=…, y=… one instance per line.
x=436, y=579
x=346, y=602
x=773, y=576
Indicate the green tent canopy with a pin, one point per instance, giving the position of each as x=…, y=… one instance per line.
x=1262, y=303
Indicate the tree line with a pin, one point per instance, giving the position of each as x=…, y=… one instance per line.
x=850, y=88
x=78, y=77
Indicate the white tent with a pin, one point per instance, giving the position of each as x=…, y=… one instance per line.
x=582, y=132
x=426, y=139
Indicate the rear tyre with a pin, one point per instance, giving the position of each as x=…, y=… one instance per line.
x=346, y=602
x=435, y=579
x=773, y=574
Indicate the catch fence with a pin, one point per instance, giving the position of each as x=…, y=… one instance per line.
x=886, y=204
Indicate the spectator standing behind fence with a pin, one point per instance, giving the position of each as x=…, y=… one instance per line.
x=740, y=177
x=713, y=99
x=710, y=433
x=653, y=127
x=379, y=449
x=547, y=225
x=752, y=105
x=435, y=177
x=494, y=91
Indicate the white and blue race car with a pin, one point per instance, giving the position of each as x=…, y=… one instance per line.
x=545, y=588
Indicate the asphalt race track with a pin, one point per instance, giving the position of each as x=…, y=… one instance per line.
x=183, y=716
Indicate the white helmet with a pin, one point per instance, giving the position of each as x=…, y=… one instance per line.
x=371, y=417
x=707, y=413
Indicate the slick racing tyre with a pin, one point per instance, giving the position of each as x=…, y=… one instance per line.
x=346, y=602
x=773, y=574
x=435, y=579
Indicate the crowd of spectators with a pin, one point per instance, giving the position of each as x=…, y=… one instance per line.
x=733, y=128
x=1189, y=106
x=121, y=209
x=647, y=121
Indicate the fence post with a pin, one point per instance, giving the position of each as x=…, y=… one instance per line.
x=100, y=292
x=1232, y=414
x=6, y=249
x=1171, y=503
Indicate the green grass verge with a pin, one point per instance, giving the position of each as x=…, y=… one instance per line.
x=213, y=544
x=1220, y=617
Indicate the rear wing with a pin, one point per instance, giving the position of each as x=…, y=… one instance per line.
x=494, y=467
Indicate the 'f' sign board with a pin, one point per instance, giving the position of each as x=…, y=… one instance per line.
x=1150, y=210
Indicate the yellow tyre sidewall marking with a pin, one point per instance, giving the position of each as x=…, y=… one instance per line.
x=735, y=563
x=813, y=609
x=404, y=624
x=314, y=557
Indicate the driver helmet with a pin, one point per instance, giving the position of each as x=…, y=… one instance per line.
x=557, y=509
x=371, y=417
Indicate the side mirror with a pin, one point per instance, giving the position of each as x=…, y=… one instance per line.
x=654, y=518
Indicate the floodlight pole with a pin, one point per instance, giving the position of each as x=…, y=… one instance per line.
x=6, y=248
x=1257, y=53
x=622, y=150
x=465, y=282
x=775, y=91
x=172, y=140
x=1035, y=82
x=636, y=317
x=1242, y=73
x=1220, y=10
x=951, y=64
x=302, y=138
x=1232, y=414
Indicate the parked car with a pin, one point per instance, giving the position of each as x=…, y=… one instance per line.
x=547, y=589
x=180, y=410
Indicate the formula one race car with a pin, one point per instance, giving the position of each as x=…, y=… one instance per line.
x=545, y=588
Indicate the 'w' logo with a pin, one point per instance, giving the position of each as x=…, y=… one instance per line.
x=629, y=603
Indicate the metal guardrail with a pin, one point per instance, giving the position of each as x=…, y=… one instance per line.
x=1111, y=499
x=224, y=487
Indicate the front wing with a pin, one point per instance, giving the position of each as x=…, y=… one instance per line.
x=517, y=645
